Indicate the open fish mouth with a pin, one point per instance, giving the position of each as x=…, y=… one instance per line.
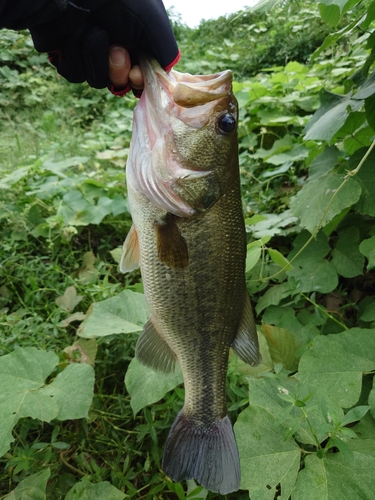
x=170, y=102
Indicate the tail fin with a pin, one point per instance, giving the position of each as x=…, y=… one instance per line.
x=208, y=454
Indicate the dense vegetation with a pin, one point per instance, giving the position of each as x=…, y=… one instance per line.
x=69, y=427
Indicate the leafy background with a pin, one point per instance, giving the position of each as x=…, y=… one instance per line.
x=71, y=426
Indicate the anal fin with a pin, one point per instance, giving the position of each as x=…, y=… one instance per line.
x=130, y=252
x=245, y=345
x=171, y=245
x=153, y=351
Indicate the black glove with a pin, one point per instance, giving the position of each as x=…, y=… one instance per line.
x=78, y=40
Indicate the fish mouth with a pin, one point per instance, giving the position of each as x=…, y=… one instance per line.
x=183, y=89
x=158, y=169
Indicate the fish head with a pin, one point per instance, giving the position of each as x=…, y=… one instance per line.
x=184, y=145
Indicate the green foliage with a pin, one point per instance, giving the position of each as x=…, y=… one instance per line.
x=249, y=41
x=306, y=415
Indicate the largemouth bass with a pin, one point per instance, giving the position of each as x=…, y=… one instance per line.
x=188, y=237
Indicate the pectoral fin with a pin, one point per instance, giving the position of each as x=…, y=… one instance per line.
x=153, y=351
x=130, y=252
x=171, y=245
x=245, y=345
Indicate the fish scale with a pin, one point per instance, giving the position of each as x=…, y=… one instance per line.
x=192, y=261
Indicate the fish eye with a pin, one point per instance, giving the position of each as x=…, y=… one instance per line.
x=226, y=123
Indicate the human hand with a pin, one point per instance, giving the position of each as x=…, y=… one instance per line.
x=80, y=39
x=121, y=74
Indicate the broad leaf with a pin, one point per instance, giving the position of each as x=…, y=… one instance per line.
x=331, y=371
x=331, y=115
x=346, y=258
x=23, y=393
x=72, y=390
x=330, y=14
x=312, y=275
x=252, y=256
x=367, y=248
x=331, y=39
x=268, y=461
x=274, y=295
x=146, y=386
x=311, y=272
x=85, y=490
x=124, y=313
x=31, y=488
x=336, y=477
x=319, y=201
x=371, y=399
x=360, y=343
x=281, y=346
x=366, y=180
x=368, y=313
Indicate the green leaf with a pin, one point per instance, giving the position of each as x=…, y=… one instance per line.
x=330, y=14
x=331, y=371
x=264, y=5
x=23, y=392
x=57, y=167
x=367, y=248
x=371, y=399
x=252, y=256
x=368, y=314
x=360, y=343
x=264, y=392
x=312, y=275
x=194, y=491
x=281, y=346
x=85, y=490
x=370, y=16
x=366, y=180
x=268, y=461
x=124, y=313
x=72, y=390
x=279, y=259
x=336, y=477
x=331, y=115
x=370, y=111
x=17, y=174
x=346, y=258
x=355, y=414
x=146, y=386
x=273, y=296
x=331, y=39
x=272, y=224
x=31, y=488
x=318, y=202
x=323, y=163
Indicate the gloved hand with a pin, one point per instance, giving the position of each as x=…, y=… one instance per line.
x=78, y=40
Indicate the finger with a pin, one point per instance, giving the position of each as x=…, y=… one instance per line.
x=119, y=66
x=136, y=77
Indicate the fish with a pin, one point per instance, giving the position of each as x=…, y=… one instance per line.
x=188, y=238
